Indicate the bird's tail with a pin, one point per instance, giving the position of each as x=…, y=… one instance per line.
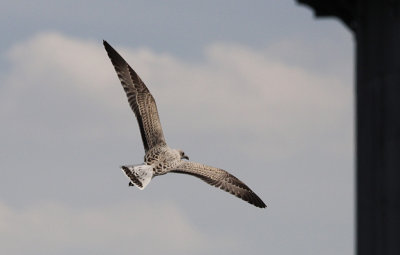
x=140, y=175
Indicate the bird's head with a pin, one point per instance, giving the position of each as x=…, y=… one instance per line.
x=183, y=155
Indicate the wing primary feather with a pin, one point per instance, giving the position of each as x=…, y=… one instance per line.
x=140, y=100
x=220, y=179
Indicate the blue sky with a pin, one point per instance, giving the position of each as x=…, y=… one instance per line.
x=260, y=89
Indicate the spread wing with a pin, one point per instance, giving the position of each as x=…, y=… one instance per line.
x=140, y=100
x=220, y=179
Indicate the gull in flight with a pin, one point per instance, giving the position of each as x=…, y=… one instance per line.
x=160, y=159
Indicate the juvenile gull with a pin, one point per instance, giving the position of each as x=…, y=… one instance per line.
x=160, y=159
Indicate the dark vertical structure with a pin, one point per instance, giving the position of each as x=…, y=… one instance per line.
x=376, y=27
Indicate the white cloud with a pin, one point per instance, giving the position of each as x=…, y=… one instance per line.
x=233, y=86
x=52, y=60
x=53, y=228
x=233, y=81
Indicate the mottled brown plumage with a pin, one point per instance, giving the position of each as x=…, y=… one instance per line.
x=159, y=158
x=220, y=179
x=140, y=100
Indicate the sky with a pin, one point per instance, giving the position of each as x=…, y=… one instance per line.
x=261, y=89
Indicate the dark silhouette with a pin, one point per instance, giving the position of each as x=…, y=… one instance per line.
x=376, y=28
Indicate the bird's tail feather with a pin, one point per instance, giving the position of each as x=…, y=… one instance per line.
x=140, y=175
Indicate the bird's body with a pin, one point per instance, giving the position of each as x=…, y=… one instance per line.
x=163, y=159
x=160, y=159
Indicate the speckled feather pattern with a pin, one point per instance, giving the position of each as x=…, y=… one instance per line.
x=220, y=179
x=163, y=158
x=158, y=155
x=140, y=100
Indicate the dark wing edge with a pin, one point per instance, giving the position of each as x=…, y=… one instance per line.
x=221, y=179
x=140, y=100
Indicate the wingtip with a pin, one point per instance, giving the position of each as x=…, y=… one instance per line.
x=112, y=53
x=106, y=44
x=256, y=201
x=261, y=204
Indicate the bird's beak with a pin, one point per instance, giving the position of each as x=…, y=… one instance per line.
x=185, y=157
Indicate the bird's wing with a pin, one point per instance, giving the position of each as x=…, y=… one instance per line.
x=220, y=179
x=140, y=100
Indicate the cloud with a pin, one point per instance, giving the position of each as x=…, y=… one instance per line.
x=65, y=87
x=122, y=228
x=233, y=81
